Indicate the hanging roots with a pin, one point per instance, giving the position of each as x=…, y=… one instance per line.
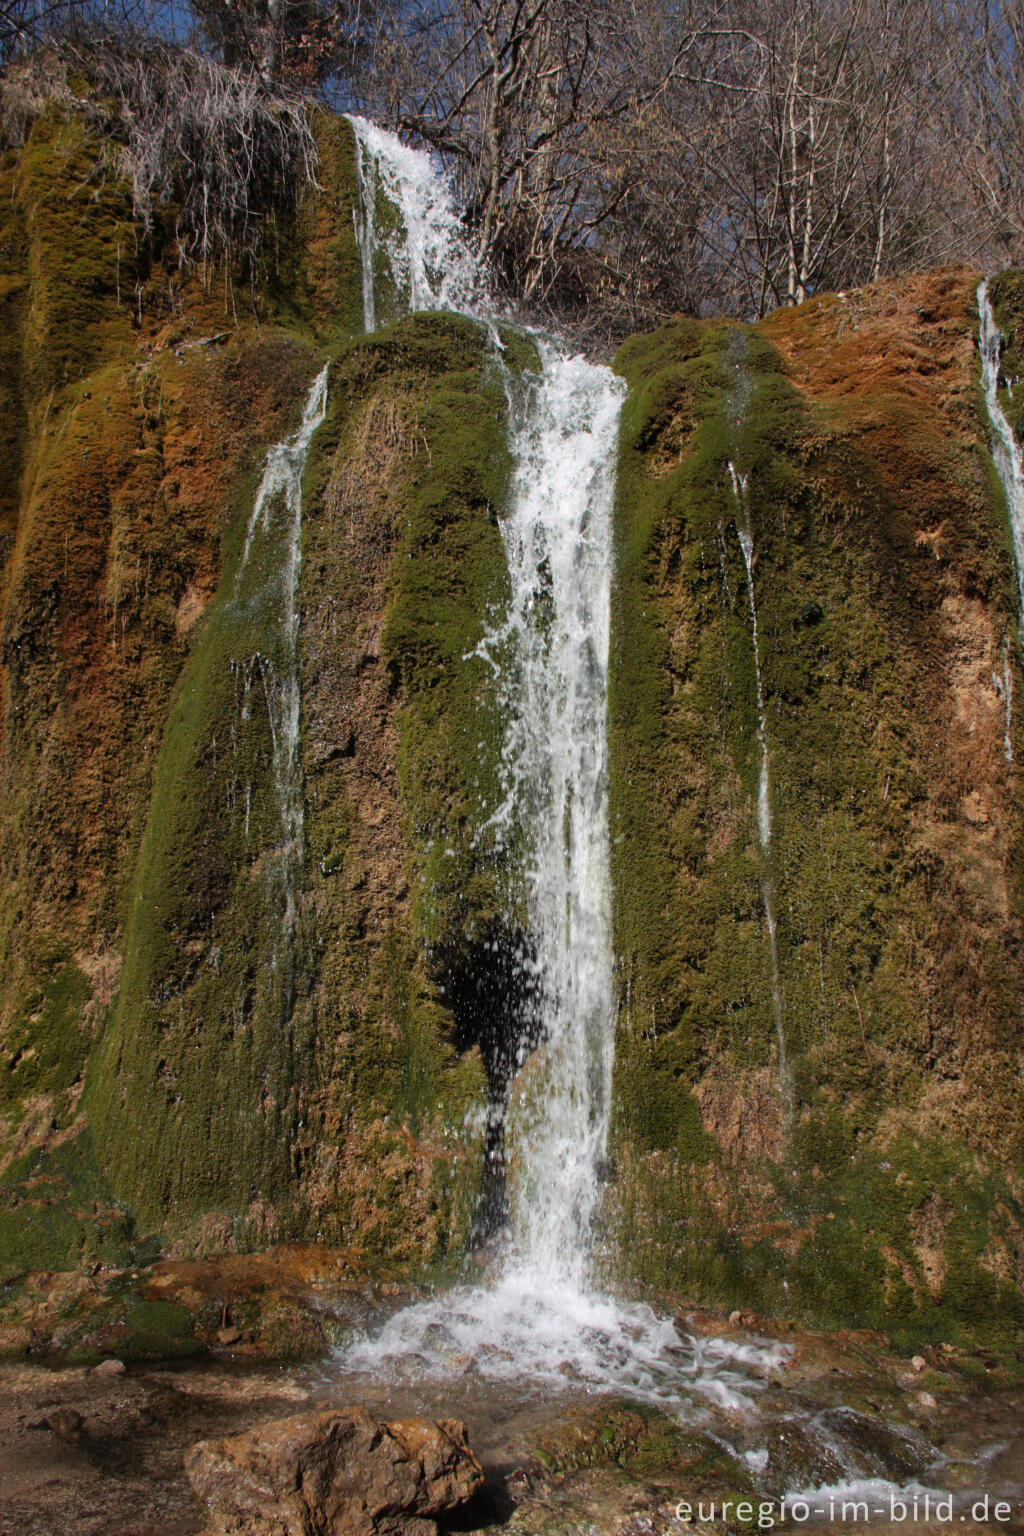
x=214, y=141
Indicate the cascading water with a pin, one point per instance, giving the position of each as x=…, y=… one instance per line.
x=428, y=262
x=540, y=1319
x=557, y=535
x=1006, y=451
x=740, y=490
x=540, y=1322
x=268, y=575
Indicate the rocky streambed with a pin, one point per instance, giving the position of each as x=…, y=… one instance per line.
x=100, y=1449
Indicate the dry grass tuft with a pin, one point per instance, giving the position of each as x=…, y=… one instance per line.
x=385, y=437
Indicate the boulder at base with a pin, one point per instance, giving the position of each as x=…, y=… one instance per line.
x=342, y=1473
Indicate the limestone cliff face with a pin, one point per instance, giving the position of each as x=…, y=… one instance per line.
x=190, y=1054
x=843, y=1139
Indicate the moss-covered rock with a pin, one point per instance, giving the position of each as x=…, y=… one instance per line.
x=638, y=1438
x=57, y=1212
x=876, y=1178
x=282, y=1050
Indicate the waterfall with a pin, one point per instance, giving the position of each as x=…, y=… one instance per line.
x=558, y=542
x=563, y=426
x=429, y=263
x=540, y=1318
x=268, y=575
x=1006, y=451
x=740, y=490
x=538, y=1312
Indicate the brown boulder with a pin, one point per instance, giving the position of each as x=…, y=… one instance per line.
x=342, y=1473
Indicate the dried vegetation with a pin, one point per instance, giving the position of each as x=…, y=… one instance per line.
x=213, y=158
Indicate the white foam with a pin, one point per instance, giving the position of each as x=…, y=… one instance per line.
x=527, y=1329
x=429, y=259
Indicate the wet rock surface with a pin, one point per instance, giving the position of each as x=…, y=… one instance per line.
x=289, y=1303
x=101, y=1452
x=343, y=1473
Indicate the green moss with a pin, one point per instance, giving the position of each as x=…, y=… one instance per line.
x=832, y=1244
x=413, y=542
x=192, y=1091
x=213, y=1077
x=637, y=1438
x=160, y=1330
x=450, y=582
x=850, y=614
x=682, y=711
x=46, y=1048
x=14, y=293
x=81, y=254
x=312, y=269
x=56, y=1212
x=130, y=1328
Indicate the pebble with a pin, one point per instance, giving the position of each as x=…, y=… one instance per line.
x=108, y=1368
x=63, y=1422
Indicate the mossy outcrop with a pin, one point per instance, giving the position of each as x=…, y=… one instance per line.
x=841, y=1139
x=240, y=1050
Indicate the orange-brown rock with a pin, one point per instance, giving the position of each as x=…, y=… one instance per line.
x=342, y=1473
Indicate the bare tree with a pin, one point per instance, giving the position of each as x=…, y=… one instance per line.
x=979, y=118
x=617, y=160
x=295, y=43
x=812, y=153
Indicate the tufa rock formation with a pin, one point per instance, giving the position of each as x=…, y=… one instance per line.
x=192, y=1060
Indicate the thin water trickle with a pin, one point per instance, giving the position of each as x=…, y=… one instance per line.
x=740, y=490
x=279, y=498
x=1006, y=451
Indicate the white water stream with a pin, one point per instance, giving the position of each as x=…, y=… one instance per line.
x=427, y=259
x=558, y=542
x=740, y=490
x=264, y=577
x=563, y=429
x=1006, y=451
x=541, y=1319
